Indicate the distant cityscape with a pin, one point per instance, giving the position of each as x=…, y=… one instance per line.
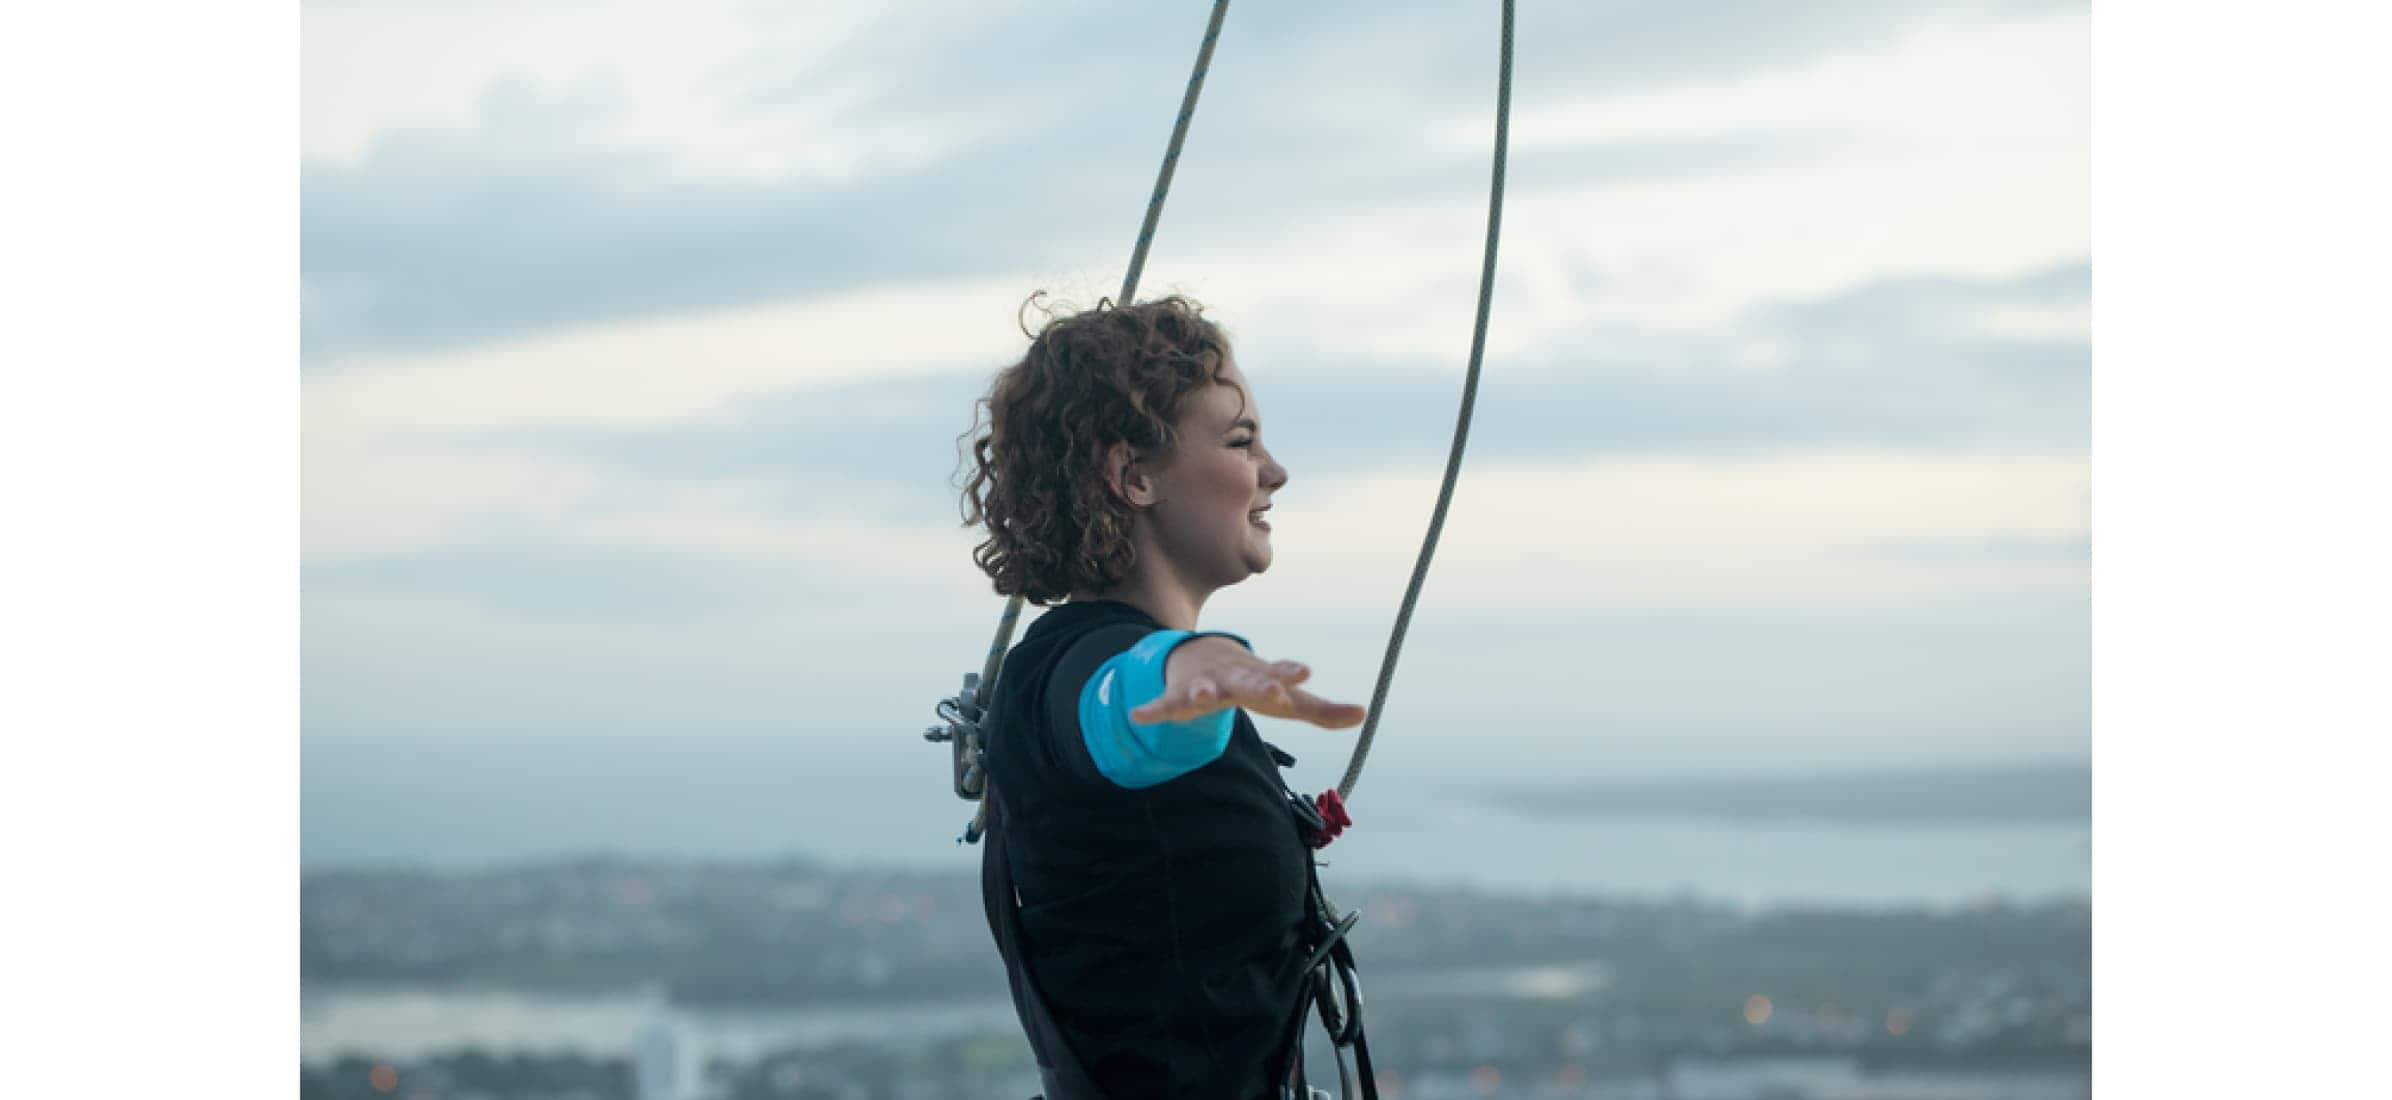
x=1468, y=994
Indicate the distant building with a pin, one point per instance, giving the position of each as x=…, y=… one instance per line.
x=659, y=1068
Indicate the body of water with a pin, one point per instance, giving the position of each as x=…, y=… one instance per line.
x=465, y=803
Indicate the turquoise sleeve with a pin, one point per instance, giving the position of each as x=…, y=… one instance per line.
x=1137, y=755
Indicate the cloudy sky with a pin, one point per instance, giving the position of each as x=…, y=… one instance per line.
x=637, y=339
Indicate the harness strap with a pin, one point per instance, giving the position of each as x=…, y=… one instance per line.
x=1331, y=983
x=1059, y=1071
x=1333, y=989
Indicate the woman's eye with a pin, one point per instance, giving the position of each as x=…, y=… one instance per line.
x=1241, y=443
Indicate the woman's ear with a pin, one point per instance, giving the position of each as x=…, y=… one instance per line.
x=1130, y=480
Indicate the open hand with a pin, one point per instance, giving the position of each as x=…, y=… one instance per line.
x=1210, y=674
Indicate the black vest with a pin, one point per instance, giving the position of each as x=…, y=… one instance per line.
x=1163, y=928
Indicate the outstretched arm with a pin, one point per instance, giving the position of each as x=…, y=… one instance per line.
x=1188, y=686
x=1213, y=673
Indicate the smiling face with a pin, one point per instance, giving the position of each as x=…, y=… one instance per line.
x=1203, y=520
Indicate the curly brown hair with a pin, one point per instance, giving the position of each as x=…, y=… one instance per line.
x=1112, y=374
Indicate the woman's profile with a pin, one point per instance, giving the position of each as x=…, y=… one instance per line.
x=1136, y=814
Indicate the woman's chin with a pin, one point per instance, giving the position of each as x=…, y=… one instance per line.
x=1258, y=548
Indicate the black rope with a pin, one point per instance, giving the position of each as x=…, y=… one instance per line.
x=1179, y=134
x=1129, y=286
x=1461, y=431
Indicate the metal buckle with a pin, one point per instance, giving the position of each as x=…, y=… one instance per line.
x=963, y=713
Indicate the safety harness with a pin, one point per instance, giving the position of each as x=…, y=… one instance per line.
x=1330, y=983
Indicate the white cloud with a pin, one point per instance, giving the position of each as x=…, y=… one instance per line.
x=1963, y=154
x=676, y=369
x=1957, y=151
x=1687, y=256
x=1797, y=532
x=2022, y=83
x=671, y=79
x=363, y=495
x=2035, y=321
x=1802, y=532
x=736, y=521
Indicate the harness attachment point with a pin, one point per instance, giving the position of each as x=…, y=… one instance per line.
x=1333, y=815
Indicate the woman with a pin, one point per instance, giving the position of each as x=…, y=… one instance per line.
x=1140, y=819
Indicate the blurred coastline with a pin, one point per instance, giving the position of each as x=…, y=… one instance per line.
x=1936, y=836
x=791, y=979
x=536, y=916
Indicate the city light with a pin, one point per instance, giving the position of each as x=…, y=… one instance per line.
x=385, y=1079
x=1756, y=1010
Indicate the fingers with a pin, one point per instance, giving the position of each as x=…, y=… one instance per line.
x=1200, y=696
x=1261, y=687
x=1266, y=688
x=1321, y=712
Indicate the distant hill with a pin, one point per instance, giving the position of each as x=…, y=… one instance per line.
x=2051, y=791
